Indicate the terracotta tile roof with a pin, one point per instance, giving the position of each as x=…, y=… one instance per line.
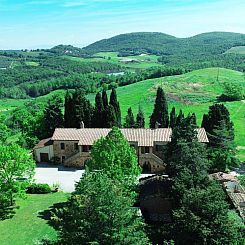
x=144, y=137
x=43, y=143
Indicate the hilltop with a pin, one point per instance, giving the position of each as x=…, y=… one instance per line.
x=203, y=50
x=160, y=43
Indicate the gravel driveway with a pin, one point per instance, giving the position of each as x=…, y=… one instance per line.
x=64, y=177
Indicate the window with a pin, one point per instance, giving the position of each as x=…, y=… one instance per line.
x=145, y=149
x=75, y=146
x=86, y=148
x=62, y=146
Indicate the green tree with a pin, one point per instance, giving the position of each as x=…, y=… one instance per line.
x=160, y=112
x=98, y=213
x=4, y=130
x=201, y=216
x=200, y=213
x=16, y=172
x=232, y=92
x=69, y=114
x=220, y=131
x=129, y=120
x=180, y=117
x=104, y=98
x=115, y=157
x=140, y=119
x=53, y=117
x=83, y=109
x=110, y=117
x=99, y=112
x=114, y=102
x=173, y=118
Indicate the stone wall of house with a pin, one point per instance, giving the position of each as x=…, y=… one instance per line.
x=156, y=166
x=78, y=160
x=68, y=151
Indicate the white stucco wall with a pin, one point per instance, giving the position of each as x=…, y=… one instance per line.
x=46, y=149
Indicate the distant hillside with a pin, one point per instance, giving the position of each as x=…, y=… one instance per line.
x=160, y=43
x=68, y=50
x=208, y=49
x=138, y=42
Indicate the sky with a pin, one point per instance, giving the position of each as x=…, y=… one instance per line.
x=31, y=24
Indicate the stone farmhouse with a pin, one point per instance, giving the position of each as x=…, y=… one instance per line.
x=71, y=147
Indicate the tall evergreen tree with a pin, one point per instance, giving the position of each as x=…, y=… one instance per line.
x=160, y=112
x=83, y=110
x=104, y=99
x=173, y=118
x=110, y=117
x=98, y=118
x=69, y=114
x=205, y=122
x=98, y=213
x=129, y=120
x=140, y=119
x=200, y=213
x=220, y=133
x=53, y=117
x=180, y=117
x=114, y=102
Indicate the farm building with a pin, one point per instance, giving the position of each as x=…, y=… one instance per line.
x=71, y=147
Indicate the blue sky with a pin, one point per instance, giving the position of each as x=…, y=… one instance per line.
x=45, y=23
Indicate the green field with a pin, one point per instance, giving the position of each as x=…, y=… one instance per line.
x=131, y=62
x=26, y=227
x=236, y=50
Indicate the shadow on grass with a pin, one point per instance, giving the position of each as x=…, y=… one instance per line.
x=7, y=212
x=48, y=213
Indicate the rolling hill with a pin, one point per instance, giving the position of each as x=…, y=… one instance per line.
x=200, y=51
x=160, y=43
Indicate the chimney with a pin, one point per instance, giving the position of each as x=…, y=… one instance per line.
x=157, y=124
x=82, y=124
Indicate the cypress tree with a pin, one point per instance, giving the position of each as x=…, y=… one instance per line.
x=53, y=117
x=116, y=106
x=98, y=118
x=104, y=98
x=110, y=117
x=83, y=110
x=198, y=201
x=220, y=133
x=69, y=115
x=160, y=112
x=129, y=120
x=140, y=119
x=180, y=117
x=173, y=118
x=205, y=122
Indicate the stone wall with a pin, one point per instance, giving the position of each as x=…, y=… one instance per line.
x=78, y=160
x=67, y=152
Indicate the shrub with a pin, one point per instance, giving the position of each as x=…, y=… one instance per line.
x=38, y=189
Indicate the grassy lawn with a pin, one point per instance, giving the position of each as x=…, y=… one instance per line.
x=26, y=227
